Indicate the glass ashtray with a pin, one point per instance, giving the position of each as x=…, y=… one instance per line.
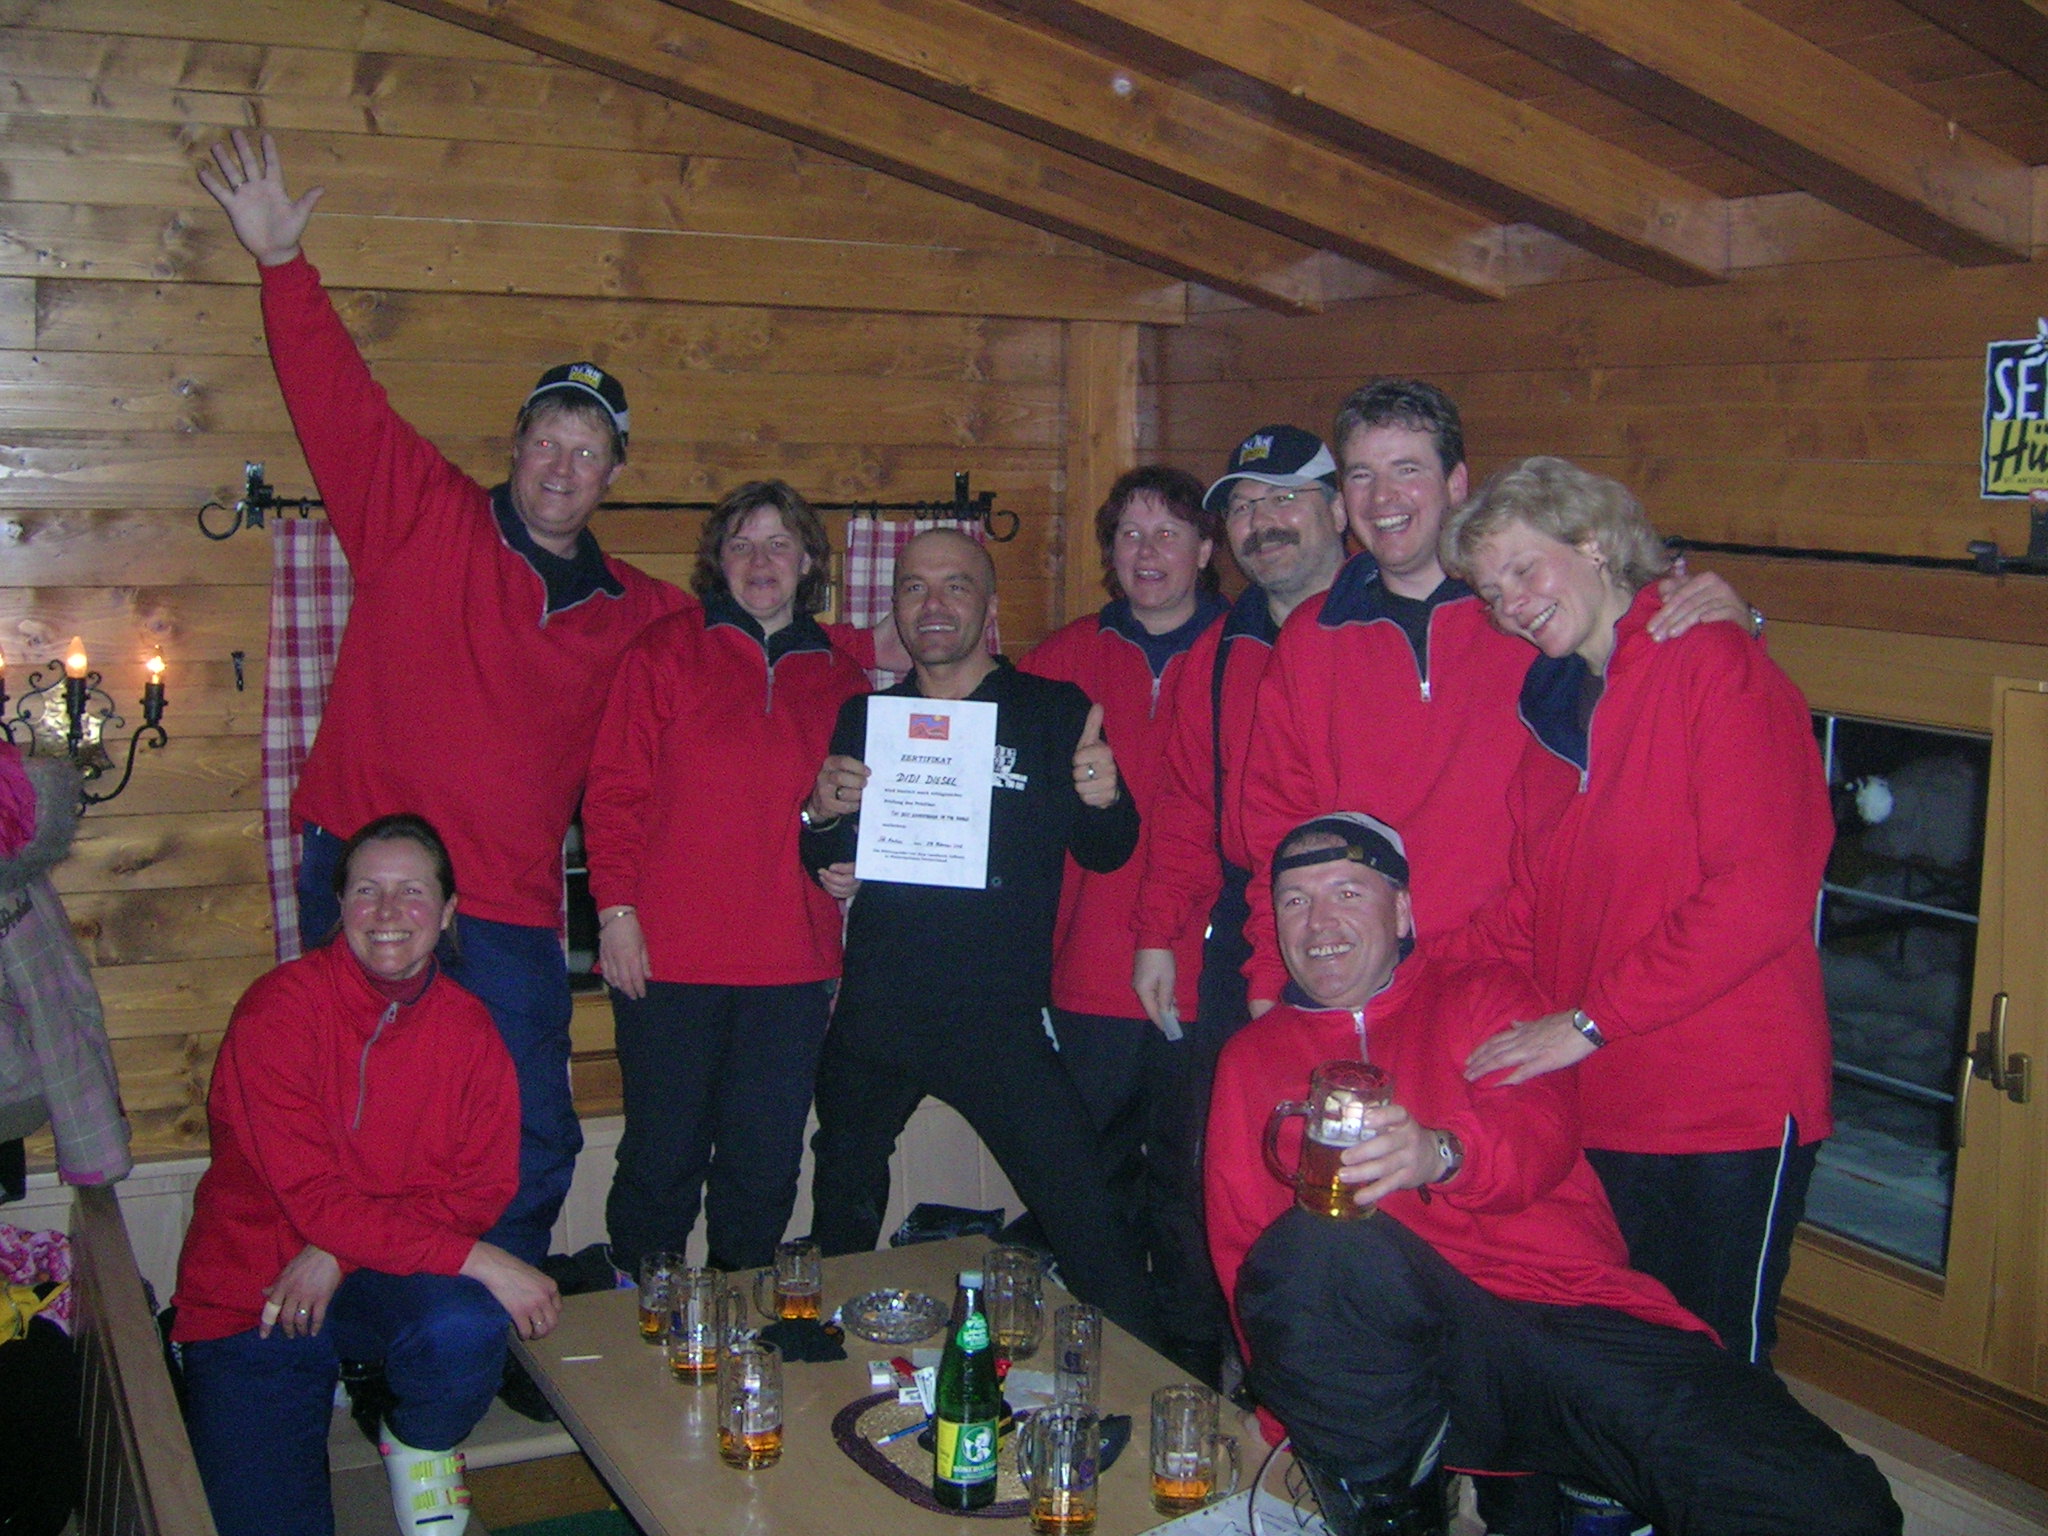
x=894, y=1317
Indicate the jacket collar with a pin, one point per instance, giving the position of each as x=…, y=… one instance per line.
x=1117, y=619
x=1251, y=618
x=568, y=582
x=1406, y=972
x=801, y=633
x=1358, y=596
x=1554, y=685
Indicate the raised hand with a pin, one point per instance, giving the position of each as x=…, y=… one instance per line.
x=1094, y=764
x=267, y=220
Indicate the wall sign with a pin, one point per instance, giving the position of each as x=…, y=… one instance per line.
x=2016, y=415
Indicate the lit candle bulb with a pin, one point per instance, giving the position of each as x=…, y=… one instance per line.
x=75, y=663
x=153, y=690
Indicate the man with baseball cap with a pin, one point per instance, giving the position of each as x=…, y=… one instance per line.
x=483, y=635
x=1277, y=505
x=1486, y=1318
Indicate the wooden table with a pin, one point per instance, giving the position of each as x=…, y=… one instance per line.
x=655, y=1440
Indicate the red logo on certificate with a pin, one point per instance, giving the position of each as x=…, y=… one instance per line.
x=931, y=727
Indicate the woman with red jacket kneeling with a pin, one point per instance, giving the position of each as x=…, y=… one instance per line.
x=364, y=1119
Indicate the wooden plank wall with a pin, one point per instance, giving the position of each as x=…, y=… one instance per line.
x=1831, y=394
x=489, y=213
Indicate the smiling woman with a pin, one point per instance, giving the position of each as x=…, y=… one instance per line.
x=364, y=1118
x=1673, y=822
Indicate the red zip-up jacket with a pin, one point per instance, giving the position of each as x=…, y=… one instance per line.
x=1182, y=871
x=705, y=754
x=1346, y=722
x=385, y=1133
x=1664, y=880
x=1525, y=1216
x=456, y=695
x=1093, y=945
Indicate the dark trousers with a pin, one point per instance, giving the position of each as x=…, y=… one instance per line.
x=258, y=1409
x=522, y=977
x=1364, y=1341
x=997, y=1067
x=1717, y=1228
x=1138, y=1089
x=717, y=1086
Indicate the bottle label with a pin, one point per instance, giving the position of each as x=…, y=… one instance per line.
x=964, y=1453
x=974, y=1333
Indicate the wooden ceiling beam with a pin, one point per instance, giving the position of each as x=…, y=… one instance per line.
x=2009, y=32
x=1058, y=93
x=1765, y=95
x=687, y=58
x=1315, y=72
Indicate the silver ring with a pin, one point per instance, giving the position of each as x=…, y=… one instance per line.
x=1091, y=770
x=304, y=1310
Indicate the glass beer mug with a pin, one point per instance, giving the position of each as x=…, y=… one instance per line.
x=1339, y=1093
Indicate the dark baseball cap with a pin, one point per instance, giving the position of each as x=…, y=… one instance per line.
x=1280, y=455
x=588, y=379
x=1366, y=840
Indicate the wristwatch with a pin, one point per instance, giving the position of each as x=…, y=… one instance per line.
x=1583, y=1023
x=1450, y=1154
x=813, y=823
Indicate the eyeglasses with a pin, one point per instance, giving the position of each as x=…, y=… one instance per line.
x=1279, y=501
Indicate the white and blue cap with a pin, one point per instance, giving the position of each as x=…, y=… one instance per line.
x=588, y=379
x=1288, y=457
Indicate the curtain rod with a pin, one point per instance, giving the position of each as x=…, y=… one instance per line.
x=260, y=500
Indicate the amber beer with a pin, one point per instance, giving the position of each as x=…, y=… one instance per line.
x=693, y=1360
x=762, y=1448
x=1340, y=1094
x=1316, y=1185
x=1182, y=1495
x=1064, y=1512
x=653, y=1323
x=796, y=1299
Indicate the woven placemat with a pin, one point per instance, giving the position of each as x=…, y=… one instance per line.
x=905, y=1467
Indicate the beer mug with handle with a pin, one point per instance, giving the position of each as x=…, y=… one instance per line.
x=1059, y=1451
x=1339, y=1092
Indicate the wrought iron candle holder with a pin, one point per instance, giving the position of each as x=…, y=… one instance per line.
x=65, y=710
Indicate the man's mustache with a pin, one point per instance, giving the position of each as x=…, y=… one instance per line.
x=1268, y=538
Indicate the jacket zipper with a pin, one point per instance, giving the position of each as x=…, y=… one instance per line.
x=363, y=1063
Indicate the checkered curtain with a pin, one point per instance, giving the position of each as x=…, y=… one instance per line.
x=310, y=589
x=872, y=545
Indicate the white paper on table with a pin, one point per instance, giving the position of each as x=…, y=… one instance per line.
x=931, y=773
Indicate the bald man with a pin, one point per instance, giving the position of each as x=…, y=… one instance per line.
x=946, y=989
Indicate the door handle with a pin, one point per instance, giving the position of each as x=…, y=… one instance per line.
x=2010, y=1073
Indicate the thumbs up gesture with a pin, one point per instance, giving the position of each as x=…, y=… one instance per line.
x=1095, y=778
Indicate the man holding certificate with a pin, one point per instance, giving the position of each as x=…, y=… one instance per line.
x=951, y=802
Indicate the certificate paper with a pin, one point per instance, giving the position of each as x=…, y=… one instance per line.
x=924, y=813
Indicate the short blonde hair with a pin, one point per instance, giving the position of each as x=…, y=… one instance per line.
x=1564, y=502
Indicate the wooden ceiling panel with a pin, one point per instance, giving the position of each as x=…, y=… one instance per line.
x=1281, y=153
x=1762, y=92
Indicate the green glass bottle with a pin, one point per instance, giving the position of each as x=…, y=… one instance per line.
x=969, y=1403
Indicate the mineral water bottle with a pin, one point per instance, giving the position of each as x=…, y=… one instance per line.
x=968, y=1404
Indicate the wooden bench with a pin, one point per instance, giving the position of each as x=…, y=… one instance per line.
x=140, y=1478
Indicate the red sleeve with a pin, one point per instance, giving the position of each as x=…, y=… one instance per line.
x=1064, y=655
x=265, y=1075
x=1765, y=828
x=1520, y=1142
x=374, y=472
x=853, y=642
x=1183, y=870
x=618, y=795
x=1284, y=785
